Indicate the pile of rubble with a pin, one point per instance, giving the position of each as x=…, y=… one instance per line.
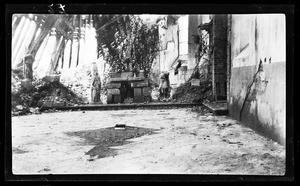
x=188, y=93
x=43, y=94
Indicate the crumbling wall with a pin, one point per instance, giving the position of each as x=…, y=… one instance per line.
x=258, y=78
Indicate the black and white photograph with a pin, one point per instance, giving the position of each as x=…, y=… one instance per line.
x=163, y=93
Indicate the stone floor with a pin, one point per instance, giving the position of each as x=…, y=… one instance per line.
x=185, y=142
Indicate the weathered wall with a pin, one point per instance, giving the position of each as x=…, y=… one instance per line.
x=258, y=73
x=219, y=56
x=192, y=46
x=177, y=43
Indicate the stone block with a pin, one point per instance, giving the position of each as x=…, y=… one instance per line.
x=141, y=74
x=51, y=78
x=40, y=103
x=195, y=82
x=135, y=78
x=137, y=92
x=147, y=91
x=114, y=75
x=114, y=91
x=138, y=99
x=113, y=85
x=144, y=83
x=118, y=79
x=19, y=107
x=126, y=74
x=110, y=99
x=147, y=98
x=117, y=98
x=27, y=84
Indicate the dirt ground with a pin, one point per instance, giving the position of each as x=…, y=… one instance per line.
x=172, y=141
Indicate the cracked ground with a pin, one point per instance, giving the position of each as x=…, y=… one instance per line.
x=172, y=141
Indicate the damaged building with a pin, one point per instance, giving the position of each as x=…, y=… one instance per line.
x=247, y=63
x=246, y=57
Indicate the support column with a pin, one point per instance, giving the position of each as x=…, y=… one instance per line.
x=46, y=60
x=82, y=45
x=74, y=48
x=67, y=54
x=55, y=54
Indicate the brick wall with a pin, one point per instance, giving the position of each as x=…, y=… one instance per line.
x=219, y=56
x=228, y=55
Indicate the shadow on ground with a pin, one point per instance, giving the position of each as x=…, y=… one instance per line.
x=108, y=137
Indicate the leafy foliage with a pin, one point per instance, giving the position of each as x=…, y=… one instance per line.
x=122, y=37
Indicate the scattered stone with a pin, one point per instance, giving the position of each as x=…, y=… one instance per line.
x=19, y=107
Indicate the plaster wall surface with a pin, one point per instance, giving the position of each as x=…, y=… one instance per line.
x=258, y=73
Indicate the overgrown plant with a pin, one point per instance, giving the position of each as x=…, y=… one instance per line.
x=126, y=36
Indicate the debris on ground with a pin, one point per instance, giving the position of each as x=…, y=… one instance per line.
x=186, y=93
x=42, y=95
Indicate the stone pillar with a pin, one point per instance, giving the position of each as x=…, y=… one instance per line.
x=67, y=54
x=90, y=43
x=40, y=52
x=74, y=48
x=82, y=50
x=55, y=55
x=27, y=65
x=45, y=61
x=27, y=72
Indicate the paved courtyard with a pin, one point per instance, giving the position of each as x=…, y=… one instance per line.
x=183, y=142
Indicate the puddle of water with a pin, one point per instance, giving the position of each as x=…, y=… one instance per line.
x=105, y=138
